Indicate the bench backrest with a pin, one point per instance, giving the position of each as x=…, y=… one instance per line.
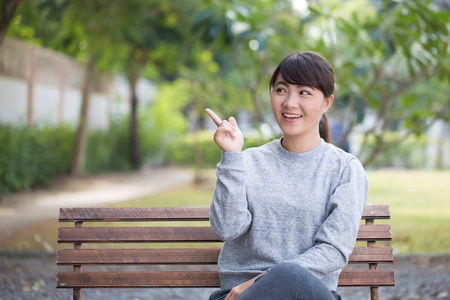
x=191, y=255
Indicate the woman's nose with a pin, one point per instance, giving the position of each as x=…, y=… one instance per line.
x=291, y=101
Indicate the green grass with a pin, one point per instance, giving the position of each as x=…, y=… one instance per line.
x=419, y=202
x=420, y=208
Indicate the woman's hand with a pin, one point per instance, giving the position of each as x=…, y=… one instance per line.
x=228, y=136
x=237, y=290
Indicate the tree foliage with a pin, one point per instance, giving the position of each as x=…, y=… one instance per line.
x=381, y=58
x=390, y=58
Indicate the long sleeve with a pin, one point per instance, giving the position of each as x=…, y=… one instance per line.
x=336, y=237
x=229, y=214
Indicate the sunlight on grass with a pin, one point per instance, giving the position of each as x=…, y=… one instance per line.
x=420, y=208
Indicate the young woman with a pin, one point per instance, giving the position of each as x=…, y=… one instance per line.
x=288, y=211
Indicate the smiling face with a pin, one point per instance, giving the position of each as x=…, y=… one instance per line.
x=301, y=91
x=298, y=109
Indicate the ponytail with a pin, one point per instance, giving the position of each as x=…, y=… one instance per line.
x=324, y=128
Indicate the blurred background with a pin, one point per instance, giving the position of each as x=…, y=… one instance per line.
x=91, y=89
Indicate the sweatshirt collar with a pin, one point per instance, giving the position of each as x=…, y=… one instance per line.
x=295, y=157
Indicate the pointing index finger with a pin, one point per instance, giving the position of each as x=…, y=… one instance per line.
x=213, y=116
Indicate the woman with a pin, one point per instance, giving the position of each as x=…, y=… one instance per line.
x=288, y=211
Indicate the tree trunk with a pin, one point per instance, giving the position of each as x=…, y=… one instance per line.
x=31, y=83
x=135, y=156
x=440, y=148
x=79, y=152
x=257, y=117
x=198, y=157
x=9, y=9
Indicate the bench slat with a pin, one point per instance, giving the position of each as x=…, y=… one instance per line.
x=376, y=212
x=371, y=255
x=367, y=278
x=117, y=214
x=135, y=234
x=137, y=279
x=194, y=279
x=176, y=234
x=137, y=256
x=186, y=256
x=375, y=233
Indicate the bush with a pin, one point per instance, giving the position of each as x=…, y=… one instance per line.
x=32, y=156
x=109, y=150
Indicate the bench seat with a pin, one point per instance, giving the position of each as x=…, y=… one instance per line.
x=203, y=249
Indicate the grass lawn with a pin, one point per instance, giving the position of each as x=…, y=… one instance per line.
x=420, y=208
x=419, y=201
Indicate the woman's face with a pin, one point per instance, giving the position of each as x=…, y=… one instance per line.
x=298, y=109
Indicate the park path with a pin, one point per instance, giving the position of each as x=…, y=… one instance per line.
x=26, y=208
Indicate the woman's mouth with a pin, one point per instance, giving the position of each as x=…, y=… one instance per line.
x=291, y=116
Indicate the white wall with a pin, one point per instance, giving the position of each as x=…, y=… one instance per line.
x=46, y=110
x=56, y=82
x=13, y=101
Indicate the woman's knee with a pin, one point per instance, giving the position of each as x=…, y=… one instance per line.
x=298, y=282
x=290, y=271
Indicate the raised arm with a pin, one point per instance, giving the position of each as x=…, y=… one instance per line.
x=229, y=214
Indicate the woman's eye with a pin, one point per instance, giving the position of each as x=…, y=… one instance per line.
x=280, y=90
x=305, y=93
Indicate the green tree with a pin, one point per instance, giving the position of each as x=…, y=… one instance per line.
x=91, y=25
x=84, y=30
x=379, y=57
x=119, y=36
x=160, y=28
x=143, y=33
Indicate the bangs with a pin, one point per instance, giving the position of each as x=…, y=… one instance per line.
x=297, y=72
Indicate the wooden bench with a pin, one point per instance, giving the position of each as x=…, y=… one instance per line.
x=370, y=255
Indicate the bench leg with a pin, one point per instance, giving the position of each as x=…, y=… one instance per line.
x=77, y=268
x=76, y=294
x=374, y=293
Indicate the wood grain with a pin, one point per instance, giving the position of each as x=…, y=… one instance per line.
x=137, y=256
x=194, y=279
x=186, y=256
x=135, y=234
x=137, y=214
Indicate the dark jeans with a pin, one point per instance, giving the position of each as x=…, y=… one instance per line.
x=286, y=281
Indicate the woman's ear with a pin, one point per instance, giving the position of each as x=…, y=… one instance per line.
x=327, y=103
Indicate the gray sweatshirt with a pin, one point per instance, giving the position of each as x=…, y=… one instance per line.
x=271, y=206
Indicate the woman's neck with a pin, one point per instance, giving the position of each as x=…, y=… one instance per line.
x=298, y=144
